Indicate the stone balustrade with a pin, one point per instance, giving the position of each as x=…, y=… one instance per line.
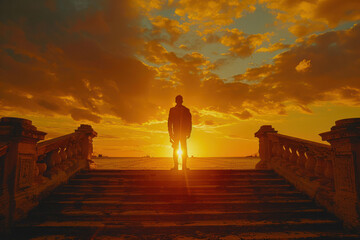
x=330, y=174
x=30, y=168
x=3, y=197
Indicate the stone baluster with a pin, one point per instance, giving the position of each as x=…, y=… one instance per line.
x=294, y=157
x=281, y=150
x=301, y=159
x=319, y=167
x=69, y=151
x=63, y=154
x=329, y=170
x=78, y=150
x=288, y=155
x=344, y=138
x=310, y=164
x=42, y=168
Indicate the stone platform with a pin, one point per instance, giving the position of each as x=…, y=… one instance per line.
x=198, y=204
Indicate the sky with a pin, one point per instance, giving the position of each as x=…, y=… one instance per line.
x=118, y=66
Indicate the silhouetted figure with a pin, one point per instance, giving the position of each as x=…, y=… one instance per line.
x=179, y=126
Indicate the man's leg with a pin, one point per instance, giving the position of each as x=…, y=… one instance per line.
x=175, y=155
x=184, y=155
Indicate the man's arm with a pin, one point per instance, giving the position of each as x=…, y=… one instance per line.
x=190, y=124
x=170, y=125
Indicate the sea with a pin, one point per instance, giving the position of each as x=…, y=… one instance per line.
x=166, y=163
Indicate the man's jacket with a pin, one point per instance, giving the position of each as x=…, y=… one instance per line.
x=179, y=122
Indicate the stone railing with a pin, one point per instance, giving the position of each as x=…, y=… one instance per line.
x=3, y=197
x=330, y=174
x=30, y=170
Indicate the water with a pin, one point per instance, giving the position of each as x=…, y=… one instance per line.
x=164, y=163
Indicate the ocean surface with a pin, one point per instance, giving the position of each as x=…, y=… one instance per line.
x=165, y=163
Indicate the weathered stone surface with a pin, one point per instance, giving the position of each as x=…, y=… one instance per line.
x=344, y=138
x=30, y=170
x=329, y=174
x=264, y=146
x=201, y=204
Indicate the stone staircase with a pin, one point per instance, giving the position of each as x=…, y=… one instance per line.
x=198, y=204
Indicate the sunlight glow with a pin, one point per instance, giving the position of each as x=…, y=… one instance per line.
x=179, y=153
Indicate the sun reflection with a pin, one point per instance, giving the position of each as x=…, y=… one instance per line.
x=179, y=153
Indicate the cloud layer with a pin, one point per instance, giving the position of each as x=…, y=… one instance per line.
x=87, y=59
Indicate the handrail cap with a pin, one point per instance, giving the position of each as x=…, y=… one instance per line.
x=84, y=128
x=265, y=129
x=15, y=121
x=344, y=128
x=347, y=122
x=19, y=127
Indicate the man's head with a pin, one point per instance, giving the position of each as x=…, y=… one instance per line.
x=179, y=99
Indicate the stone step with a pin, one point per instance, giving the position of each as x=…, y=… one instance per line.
x=141, y=216
x=171, y=227
x=171, y=175
x=108, y=212
x=177, y=182
x=110, y=234
x=177, y=206
x=179, y=189
x=69, y=193
x=115, y=194
x=174, y=197
x=176, y=178
x=198, y=204
x=169, y=172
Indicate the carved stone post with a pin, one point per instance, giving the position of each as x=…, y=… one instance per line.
x=86, y=144
x=264, y=146
x=344, y=138
x=19, y=163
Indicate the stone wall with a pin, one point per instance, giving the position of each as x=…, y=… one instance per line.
x=30, y=170
x=330, y=174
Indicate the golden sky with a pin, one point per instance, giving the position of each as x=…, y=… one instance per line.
x=118, y=65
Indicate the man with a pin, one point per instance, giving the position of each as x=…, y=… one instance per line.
x=179, y=127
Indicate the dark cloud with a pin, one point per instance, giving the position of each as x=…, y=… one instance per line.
x=310, y=16
x=209, y=122
x=241, y=44
x=83, y=114
x=332, y=64
x=172, y=28
x=243, y=115
x=64, y=54
x=82, y=59
x=257, y=73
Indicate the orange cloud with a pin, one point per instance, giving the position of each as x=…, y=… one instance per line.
x=68, y=66
x=172, y=27
x=258, y=73
x=333, y=60
x=310, y=16
x=303, y=66
x=243, y=115
x=274, y=47
x=81, y=114
x=241, y=44
x=212, y=15
x=68, y=57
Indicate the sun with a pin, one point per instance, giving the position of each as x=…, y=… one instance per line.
x=179, y=153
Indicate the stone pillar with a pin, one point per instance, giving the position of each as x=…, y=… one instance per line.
x=264, y=146
x=86, y=143
x=19, y=162
x=344, y=138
